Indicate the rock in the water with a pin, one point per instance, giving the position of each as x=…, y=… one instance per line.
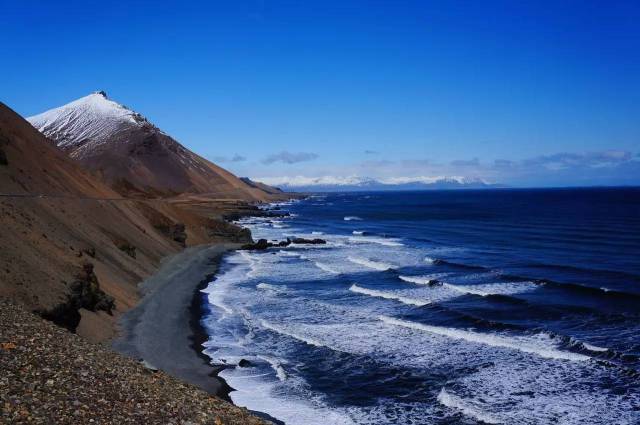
x=316, y=241
x=260, y=245
x=244, y=363
x=263, y=244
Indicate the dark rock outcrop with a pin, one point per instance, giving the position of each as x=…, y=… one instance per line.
x=174, y=231
x=127, y=248
x=244, y=363
x=252, y=211
x=228, y=232
x=263, y=244
x=316, y=241
x=260, y=245
x=85, y=293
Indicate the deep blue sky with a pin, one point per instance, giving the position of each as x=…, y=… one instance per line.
x=549, y=89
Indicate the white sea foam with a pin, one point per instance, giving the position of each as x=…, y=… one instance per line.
x=253, y=262
x=594, y=347
x=486, y=289
x=540, y=345
x=268, y=287
x=283, y=331
x=276, y=365
x=215, y=295
x=325, y=267
x=260, y=394
x=379, y=241
x=352, y=218
x=465, y=407
x=317, y=233
x=289, y=254
x=358, y=232
x=419, y=280
x=388, y=295
x=377, y=265
x=429, y=260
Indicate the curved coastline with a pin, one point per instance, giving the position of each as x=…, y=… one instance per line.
x=164, y=328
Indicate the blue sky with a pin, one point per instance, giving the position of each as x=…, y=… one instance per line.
x=527, y=93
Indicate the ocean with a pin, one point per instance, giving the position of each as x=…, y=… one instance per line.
x=444, y=307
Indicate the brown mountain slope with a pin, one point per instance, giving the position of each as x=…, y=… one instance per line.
x=133, y=156
x=32, y=166
x=62, y=228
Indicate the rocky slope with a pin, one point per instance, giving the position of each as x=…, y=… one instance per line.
x=134, y=156
x=51, y=376
x=73, y=249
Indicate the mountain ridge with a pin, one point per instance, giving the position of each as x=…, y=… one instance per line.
x=132, y=155
x=66, y=233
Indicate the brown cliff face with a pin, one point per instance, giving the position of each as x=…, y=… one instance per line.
x=135, y=157
x=58, y=221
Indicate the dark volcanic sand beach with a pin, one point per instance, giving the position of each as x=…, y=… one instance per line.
x=163, y=329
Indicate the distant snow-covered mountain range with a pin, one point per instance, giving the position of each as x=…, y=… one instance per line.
x=355, y=183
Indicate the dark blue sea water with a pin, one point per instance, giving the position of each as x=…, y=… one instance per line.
x=451, y=307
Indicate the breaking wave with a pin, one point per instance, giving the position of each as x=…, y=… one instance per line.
x=539, y=345
x=465, y=407
x=352, y=218
x=376, y=265
x=388, y=295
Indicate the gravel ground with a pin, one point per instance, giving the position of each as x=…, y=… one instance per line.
x=51, y=376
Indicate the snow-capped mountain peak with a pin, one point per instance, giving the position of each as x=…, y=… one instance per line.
x=89, y=121
x=134, y=156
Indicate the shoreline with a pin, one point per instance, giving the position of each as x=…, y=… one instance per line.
x=197, y=312
x=199, y=335
x=164, y=328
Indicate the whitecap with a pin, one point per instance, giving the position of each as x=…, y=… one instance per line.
x=465, y=407
x=539, y=344
x=268, y=287
x=594, y=347
x=379, y=241
x=276, y=365
x=289, y=254
x=419, y=280
x=352, y=218
x=388, y=295
x=282, y=331
x=371, y=264
x=486, y=289
x=325, y=267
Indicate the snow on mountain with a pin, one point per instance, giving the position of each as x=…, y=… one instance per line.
x=86, y=123
x=356, y=183
x=133, y=155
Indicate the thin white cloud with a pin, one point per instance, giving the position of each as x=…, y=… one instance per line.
x=298, y=181
x=290, y=157
x=304, y=181
x=235, y=158
x=608, y=167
